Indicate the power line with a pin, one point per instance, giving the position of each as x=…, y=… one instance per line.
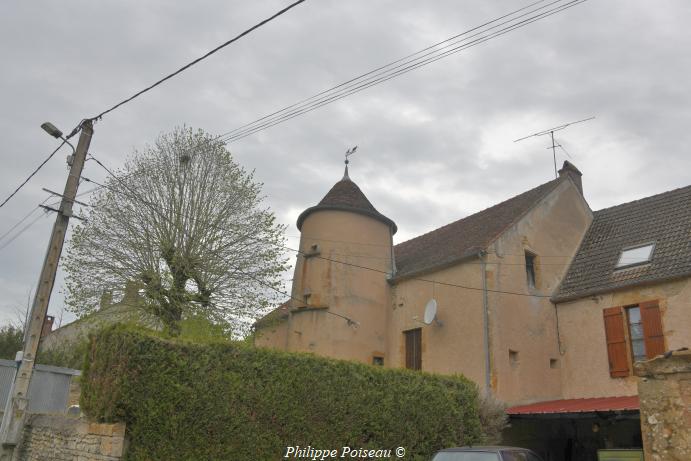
x=27, y=216
x=324, y=98
x=187, y=66
x=370, y=81
x=374, y=77
x=354, y=79
x=33, y=173
x=153, y=208
x=22, y=230
x=33, y=210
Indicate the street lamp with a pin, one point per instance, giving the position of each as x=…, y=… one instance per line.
x=56, y=133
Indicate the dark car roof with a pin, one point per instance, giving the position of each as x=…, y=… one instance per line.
x=481, y=448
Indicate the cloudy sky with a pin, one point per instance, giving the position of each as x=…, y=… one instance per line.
x=435, y=144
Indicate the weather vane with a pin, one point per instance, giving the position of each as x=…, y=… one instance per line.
x=348, y=153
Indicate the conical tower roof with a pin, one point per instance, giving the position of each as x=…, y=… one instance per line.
x=345, y=195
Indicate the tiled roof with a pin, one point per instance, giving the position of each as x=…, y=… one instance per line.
x=345, y=195
x=663, y=219
x=465, y=237
x=277, y=315
x=591, y=405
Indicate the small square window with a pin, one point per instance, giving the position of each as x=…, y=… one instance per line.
x=554, y=363
x=378, y=360
x=530, y=269
x=513, y=357
x=637, y=255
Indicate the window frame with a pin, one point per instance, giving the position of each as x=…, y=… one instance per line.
x=620, y=353
x=629, y=335
x=413, y=360
x=530, y=269
x=618, y=264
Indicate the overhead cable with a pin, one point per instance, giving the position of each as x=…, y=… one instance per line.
x=192, y=63
x=33, y=173
x=402, y=66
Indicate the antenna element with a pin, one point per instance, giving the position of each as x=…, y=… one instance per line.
x=550, y=131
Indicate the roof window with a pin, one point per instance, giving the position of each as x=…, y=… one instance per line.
x=636, y=255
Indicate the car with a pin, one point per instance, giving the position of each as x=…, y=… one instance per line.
x=485, y=454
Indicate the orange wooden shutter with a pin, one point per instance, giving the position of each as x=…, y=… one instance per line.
x=652, y=329
x=616, y=342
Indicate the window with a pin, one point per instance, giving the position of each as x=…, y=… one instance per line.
x=633, y=315
x=632, y=333
x=636, y=255
x=554, y=363
x=530, y=269
x=413, y=349
x=378, y=360
x=306, y=297
x=513, y=358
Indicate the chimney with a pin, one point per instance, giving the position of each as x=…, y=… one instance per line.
x=570, y=170
x=131, y=293
x=47, y=325
x=106, y=300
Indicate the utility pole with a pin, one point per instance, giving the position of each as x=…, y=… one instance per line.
x=18, y=401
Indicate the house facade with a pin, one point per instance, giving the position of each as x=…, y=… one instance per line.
x=542, y=302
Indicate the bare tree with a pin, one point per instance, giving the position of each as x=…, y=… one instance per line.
x=21, y=313
x=185, y=221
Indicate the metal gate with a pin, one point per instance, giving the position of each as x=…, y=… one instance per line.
x=49, y=389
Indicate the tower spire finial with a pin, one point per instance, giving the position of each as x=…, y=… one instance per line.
x=348, y=153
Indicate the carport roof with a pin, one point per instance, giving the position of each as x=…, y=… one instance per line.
x=590, y=405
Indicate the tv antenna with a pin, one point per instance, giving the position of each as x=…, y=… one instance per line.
x=550, y=131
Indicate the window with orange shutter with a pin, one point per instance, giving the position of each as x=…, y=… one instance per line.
x=652, y=329
x=634, y=331
x=616, y=342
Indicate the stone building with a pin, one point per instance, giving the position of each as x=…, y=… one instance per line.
x=127, y=309
x=542, y=302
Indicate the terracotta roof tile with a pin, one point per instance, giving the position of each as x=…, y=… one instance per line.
x=663, y=219
x=277, y=315
x=465, y=237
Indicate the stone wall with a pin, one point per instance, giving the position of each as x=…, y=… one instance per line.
x=665, y=393
x=64, y=438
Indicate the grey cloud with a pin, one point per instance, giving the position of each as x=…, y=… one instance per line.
x=444, y=131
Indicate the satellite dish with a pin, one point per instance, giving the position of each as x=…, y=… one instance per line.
x=430, y=312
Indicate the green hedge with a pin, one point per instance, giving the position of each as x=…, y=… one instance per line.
x=228, y=401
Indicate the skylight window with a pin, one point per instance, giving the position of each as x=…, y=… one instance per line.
x=637, y=255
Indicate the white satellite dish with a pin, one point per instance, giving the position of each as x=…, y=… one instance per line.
x=430, y=312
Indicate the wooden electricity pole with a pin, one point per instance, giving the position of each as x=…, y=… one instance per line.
x=18, y=400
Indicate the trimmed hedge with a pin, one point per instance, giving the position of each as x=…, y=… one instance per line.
x=229, y=401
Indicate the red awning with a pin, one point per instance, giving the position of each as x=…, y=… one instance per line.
x=577, y=406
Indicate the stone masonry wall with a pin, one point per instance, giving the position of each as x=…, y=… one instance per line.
x=64, y=438
x=664, y=389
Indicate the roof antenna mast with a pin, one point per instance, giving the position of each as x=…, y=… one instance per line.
x=550, y=131
x=348, y=153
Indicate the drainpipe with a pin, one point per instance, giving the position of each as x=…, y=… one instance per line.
x=393, y=256
x=485, y=320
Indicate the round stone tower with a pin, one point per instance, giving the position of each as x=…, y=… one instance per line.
x=346, y=257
